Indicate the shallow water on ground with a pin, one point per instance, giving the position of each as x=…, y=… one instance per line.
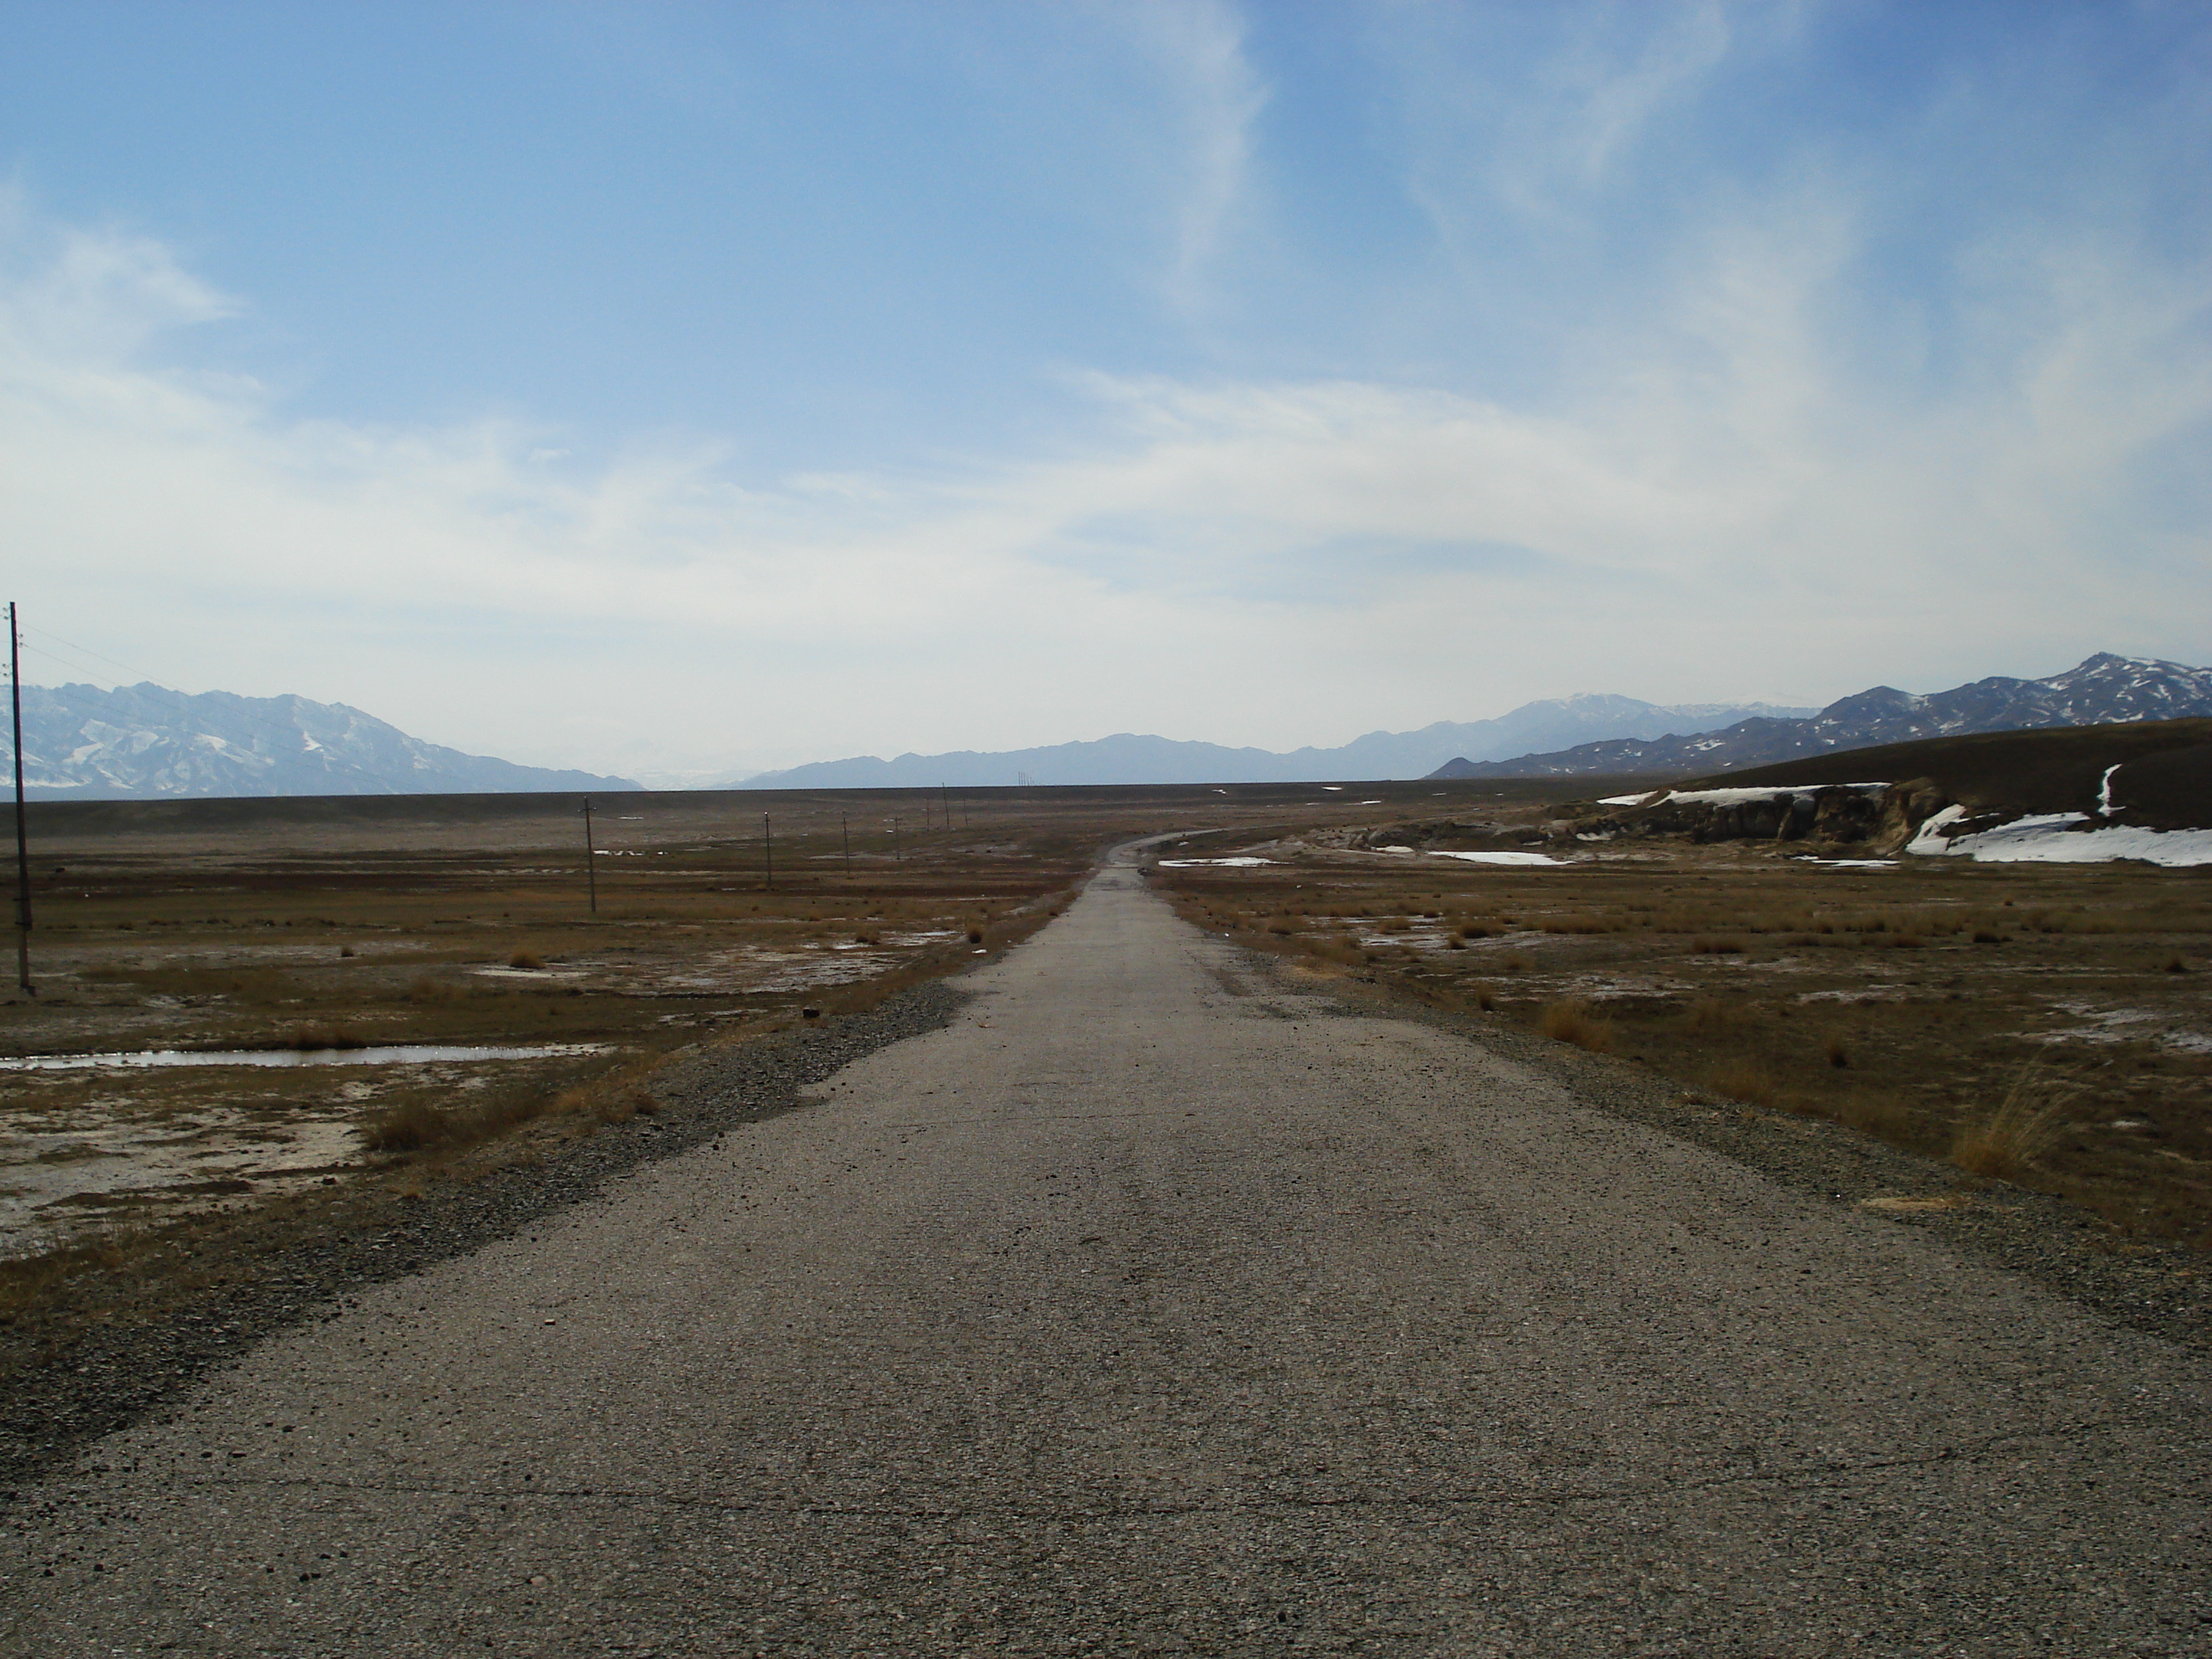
x=402, y=1054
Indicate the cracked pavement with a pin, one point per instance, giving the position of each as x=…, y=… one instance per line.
x=1156, y=1305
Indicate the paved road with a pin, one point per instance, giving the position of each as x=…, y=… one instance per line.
x=1153, y=1308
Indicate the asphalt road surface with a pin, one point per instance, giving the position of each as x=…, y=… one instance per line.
x=1154, y=1306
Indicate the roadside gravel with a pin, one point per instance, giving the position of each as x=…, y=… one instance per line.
x=2150, y=1284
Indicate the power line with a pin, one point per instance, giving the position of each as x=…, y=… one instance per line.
x=85, y=650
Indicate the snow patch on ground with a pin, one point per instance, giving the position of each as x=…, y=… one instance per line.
x=2051, y=838
x=1499, y=858
x=1232, y=864
x=1737, y=797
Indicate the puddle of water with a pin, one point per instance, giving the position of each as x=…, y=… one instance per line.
x=405, y=1053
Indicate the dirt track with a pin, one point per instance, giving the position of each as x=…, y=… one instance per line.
x=1152, y=1307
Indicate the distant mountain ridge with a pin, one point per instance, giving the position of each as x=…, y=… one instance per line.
x=81, y=743
x=2105, y=689
x=1129, y=757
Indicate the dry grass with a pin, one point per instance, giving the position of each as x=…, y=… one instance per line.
x=29, y=1283
x=1571, y=1019
x=2008, y=1141
x=412, y=1126
x=1883, y=1116
x=1709, y=1017
x=1745, y=1079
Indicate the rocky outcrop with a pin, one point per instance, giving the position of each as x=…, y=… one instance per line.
x=1872, y=818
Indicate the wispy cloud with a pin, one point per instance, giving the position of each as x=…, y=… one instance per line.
x=1215, y=96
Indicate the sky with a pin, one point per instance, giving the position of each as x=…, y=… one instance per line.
x=684, y=390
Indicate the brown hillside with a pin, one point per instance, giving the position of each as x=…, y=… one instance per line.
x=2165, y=780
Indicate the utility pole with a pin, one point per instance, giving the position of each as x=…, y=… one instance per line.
x=591, y=858
x=897, y=856
x=946, y=794
x=768, y=848
x=845, y=828
x=22, y=833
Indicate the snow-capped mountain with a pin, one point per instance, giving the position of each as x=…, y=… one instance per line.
x=1127, y=758
x=81, y=743
x=2105, y=690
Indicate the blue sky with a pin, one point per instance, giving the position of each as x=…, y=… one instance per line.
x=682, y=389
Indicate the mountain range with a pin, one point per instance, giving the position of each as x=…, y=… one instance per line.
x=1127, y=758
x=2104, y=690
x=81, y=743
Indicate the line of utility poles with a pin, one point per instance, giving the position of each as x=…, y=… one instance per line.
x=23, y=831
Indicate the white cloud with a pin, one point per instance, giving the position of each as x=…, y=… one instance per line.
x=1734, y=495
x=1216, y=95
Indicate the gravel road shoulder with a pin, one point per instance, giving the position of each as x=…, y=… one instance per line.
x=2149, y=1285
x=116, y=1372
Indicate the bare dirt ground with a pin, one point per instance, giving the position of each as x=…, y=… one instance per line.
x=1157, y=1304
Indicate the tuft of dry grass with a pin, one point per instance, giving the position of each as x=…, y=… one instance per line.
x=1745, y=1080
x=1719, y=947
x=529, y=959
x=1571, y=1019
x=2007, y=1141
x=623, y=1107
x=412, y=1126
x=1708, y=1017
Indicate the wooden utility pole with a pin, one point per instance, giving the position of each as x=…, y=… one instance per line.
x=768, y=850
x=897, y=856
x=845, y=828
x=591, y=858
x=946, y=793
x=23, y=831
